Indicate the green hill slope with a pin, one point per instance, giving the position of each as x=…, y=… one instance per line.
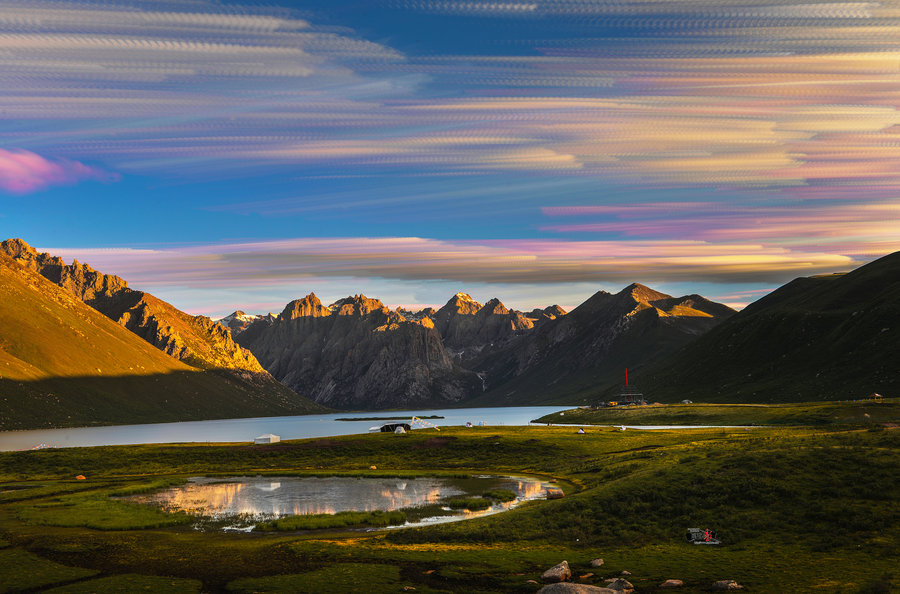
x=820, y=338
x=62, y=363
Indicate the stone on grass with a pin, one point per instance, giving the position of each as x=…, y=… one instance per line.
x=557, y=573
x=596, y=562
x=570, y=588
x=625, y=572
x=726, y=585
x=620, y=585
x=671, y=584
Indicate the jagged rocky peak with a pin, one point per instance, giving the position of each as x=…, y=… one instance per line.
x=357, y=305
x=415, y=315
x=238, y=321
x=548, y=313
x=79, y=279
x=643, y=294
x=308, y=307
x=494, y=307
x=462, y=303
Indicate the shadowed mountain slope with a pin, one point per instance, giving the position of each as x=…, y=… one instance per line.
x=572, y=358
x=357, y=353
x=62, y=363
x=817, y=338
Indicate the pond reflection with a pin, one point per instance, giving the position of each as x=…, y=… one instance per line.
x=257, y=498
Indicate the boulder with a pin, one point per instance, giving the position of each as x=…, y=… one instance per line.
x=596, y=562
x=557, y=573
x=671, y=584
x=726, y=585
x=620, y=585
x=570, y=588
x=625, y=572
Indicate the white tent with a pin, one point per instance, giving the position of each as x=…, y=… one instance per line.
x=267, y=438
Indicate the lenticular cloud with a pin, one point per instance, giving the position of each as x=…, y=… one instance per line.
x=24, y=172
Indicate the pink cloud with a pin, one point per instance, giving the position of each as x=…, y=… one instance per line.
x=24, y=172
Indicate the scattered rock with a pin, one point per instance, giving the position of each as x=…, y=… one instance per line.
x=671, y=584
x=557, y=573
x=596, y=562
x=531, y=581
x=620, y=585
x=625, y=572
x=586, y=576
x=726, y=585
x=570, y=588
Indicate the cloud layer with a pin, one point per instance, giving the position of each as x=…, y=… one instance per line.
x=24, y=172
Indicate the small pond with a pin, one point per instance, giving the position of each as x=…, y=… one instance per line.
x=239, y=503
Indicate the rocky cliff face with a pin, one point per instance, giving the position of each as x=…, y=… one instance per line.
x=356, y=353
x=195, y=340
x=468, y=327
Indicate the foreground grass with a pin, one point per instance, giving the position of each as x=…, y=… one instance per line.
x=856, y=413
x=800, y=509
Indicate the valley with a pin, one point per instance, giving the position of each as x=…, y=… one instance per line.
x=797, y=508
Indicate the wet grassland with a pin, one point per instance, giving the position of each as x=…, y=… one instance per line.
x=798, y=508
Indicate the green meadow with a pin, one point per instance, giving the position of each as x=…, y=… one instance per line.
x=798, y=508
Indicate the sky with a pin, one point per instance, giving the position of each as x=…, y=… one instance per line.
x=238, y=155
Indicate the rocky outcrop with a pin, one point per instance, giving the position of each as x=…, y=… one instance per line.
x=357, y=353
x=672, y=584
x=194, y=340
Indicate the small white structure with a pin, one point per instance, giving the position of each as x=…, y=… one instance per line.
x=267, y=438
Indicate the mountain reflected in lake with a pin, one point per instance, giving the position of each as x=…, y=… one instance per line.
x=273, y=497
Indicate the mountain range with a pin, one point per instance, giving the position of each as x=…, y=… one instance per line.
x=81, y=347
x=357, y=353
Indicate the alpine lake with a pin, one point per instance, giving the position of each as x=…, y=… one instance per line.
x=248, y=503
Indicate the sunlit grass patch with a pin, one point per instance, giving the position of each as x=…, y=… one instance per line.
x=98, y=511
x=342, y=519
x=132, y=582
x=147, y=487
x=21, y=570
x=10, y=492
x=340, y=577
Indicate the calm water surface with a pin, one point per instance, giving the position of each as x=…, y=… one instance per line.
x=237, y=430
x=244, y=501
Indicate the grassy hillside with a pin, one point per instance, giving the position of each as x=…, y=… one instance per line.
x=62, y=364
x=821, y=338
x=797, y=510
x=865, y=413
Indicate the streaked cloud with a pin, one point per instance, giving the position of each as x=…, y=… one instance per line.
x=536, y=262
x=24, y=172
